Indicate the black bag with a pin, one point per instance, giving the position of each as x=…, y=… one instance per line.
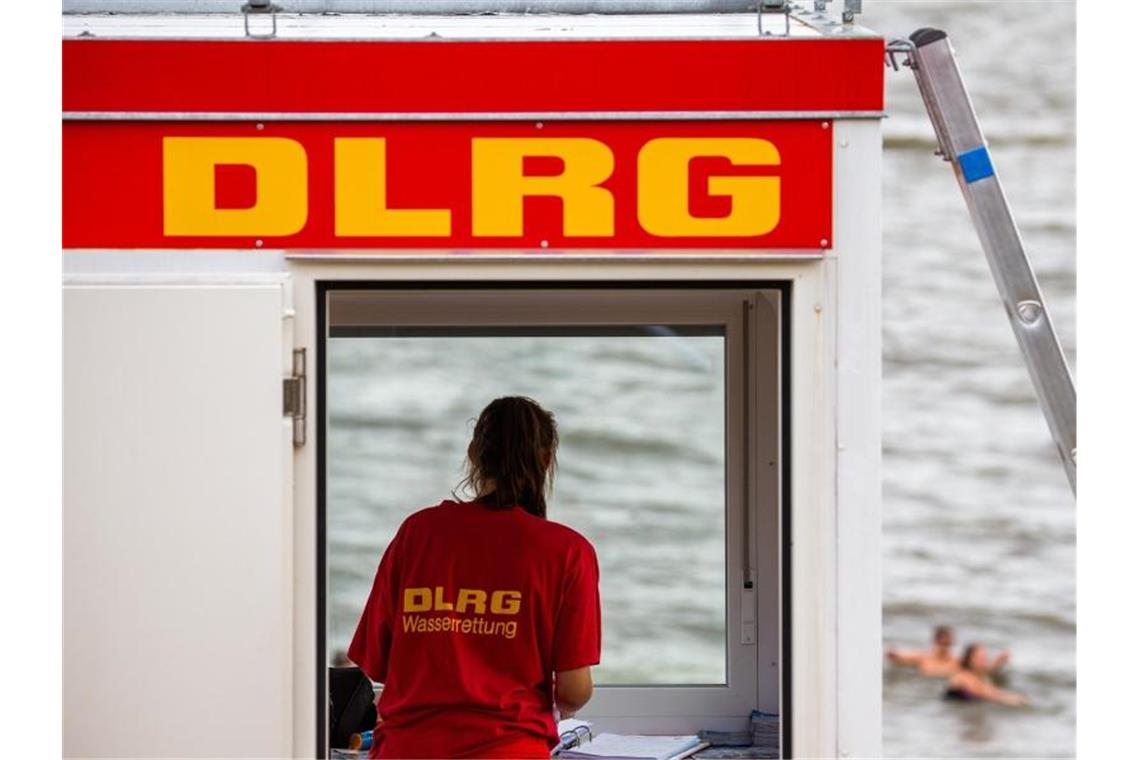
x=351, y=706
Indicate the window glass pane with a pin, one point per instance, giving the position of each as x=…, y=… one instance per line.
x=641, y=415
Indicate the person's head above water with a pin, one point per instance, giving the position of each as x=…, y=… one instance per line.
x=975, y=658
x=511, y=458
x=944, y=636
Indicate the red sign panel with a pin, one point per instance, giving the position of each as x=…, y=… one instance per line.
x=823, y=74
x=729, y=184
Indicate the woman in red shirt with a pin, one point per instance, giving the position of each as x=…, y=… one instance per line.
x=484, y=615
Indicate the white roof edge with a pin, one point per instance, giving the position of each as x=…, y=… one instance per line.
x=430, y=7
x=412, y=27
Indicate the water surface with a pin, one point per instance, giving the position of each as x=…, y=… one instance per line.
x=978, y=519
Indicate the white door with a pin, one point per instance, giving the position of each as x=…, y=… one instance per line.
x=177, y=520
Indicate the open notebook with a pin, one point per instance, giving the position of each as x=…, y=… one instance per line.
x=634, y=747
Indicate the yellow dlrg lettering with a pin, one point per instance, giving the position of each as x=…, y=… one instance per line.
x=435, y=599
x=498, y=184
x=361, y=196
x=188, y=191
x=663, y=187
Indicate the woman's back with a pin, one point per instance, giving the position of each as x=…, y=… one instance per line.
x=473, y=608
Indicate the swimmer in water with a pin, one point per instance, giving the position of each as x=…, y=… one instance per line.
x=940, y=661
x=972, y=681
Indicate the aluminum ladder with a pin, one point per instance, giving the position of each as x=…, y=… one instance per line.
x=960, y=141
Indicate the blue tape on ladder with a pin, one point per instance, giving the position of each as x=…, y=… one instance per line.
x=976, y=164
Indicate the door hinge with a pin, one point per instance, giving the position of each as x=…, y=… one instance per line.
x=293, y=396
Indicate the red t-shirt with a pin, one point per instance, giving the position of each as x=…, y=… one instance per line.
x=472, y=610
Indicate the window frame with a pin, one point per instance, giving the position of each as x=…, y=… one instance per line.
x=752, y=320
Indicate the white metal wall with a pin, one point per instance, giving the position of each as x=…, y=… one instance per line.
x=835, y=441
x=858, y=439
x=178, y=524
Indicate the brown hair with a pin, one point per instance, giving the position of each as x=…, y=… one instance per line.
x=507, y=459
x=968, y=654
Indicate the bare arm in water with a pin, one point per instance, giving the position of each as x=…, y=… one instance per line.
x=903, y=657
x=980, y=688
x=1000, y=661
x=927, y=663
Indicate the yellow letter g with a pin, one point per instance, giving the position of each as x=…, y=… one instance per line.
x=663, y=187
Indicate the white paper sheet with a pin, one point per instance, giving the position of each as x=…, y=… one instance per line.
x=632, y=747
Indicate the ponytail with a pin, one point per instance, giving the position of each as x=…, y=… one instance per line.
x=511, y=451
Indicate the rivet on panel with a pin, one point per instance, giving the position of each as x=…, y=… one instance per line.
x=1029, y=311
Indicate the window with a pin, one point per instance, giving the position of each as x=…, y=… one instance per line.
x=649, y=389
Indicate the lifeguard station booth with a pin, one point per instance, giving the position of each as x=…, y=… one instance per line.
x=243, y=183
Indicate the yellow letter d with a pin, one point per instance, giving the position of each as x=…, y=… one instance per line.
x=188, y=194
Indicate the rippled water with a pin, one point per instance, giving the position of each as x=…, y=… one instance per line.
x=978, y=519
